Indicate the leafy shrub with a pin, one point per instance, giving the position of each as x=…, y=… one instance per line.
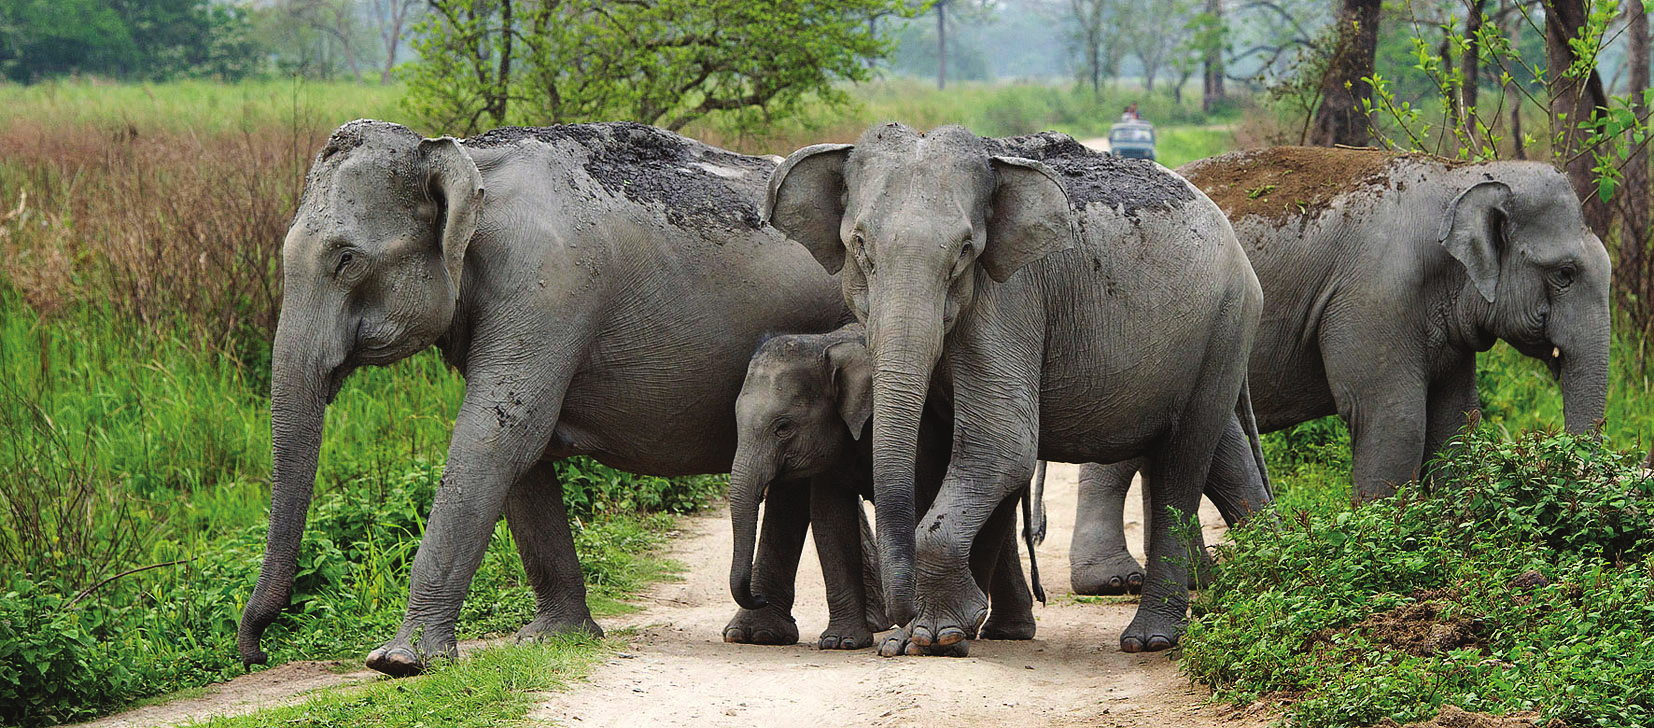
x=1534, y=554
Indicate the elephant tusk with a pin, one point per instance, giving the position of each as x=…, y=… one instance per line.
x=1556, y=352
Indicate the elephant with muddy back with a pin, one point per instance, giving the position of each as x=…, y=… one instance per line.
x=1383, y=276
x=805, y=452
x=601, y=287
x=1078, y=307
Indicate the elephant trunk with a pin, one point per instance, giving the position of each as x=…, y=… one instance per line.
x=1584, y=375
x=747, y=483
x=905, y=348
x=302, y=382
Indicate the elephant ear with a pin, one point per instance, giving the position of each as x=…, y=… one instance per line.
x=455, y=185
x=853, y=384
x=806, y=201
x=1030, y=218
x=1473, y=232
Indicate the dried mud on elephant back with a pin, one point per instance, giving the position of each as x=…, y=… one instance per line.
x=1282, y=182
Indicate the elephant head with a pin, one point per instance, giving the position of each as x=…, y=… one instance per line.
x=371, y=271
x=917, y=222
x=1538, y=278
x=804, y=402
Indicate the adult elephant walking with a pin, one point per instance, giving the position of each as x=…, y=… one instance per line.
x=602, y=297
x=1383, y=275
x=1125, y=334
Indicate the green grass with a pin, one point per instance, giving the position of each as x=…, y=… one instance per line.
x=1299, y=608
x=496, y=686
x=198, y=106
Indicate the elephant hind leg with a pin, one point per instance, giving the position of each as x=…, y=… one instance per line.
x=1011, y=605
x=540, y=526
x=1099, y=563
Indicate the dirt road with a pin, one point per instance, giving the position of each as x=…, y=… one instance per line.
x=678, y=671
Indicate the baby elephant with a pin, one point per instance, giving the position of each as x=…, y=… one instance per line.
x=805, y=449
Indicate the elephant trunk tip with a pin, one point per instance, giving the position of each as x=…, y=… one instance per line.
x=741, y=589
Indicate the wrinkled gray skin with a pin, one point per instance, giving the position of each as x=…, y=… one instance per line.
x=1079, y=307
x=1374, y=310
x=601, y=287
x=806, y=449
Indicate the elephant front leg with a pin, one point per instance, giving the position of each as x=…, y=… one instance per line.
x=775, y=569
x=1098, y=561
x=836, y=526
x=500, y=433
x=1452, y=399
x=540, y=526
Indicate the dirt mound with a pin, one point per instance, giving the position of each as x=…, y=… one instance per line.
x=694, y=181
x=1420, y=629
x=1452, y=716
x=1093, y=177
x=1281, y=182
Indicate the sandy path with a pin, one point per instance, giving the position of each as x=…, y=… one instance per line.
x=678, y=671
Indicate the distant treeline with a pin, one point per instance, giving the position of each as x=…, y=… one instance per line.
x=127, y=39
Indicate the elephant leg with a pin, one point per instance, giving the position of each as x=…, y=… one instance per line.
x=1384, y=404
x=540, y=526
x=1453, y=397
x=775, y=569
x=1235, y=484
x=1098, y=560
x=1010, y=603
x=1175, y=476
x=502, y=428
x=835, y=523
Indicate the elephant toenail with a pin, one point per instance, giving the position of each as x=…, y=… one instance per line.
x=1136, y=580
x=1131, y=645
x=1158, y=643
x=922, y=636
x=950, y=636
x=734, y=636
x=913, y=650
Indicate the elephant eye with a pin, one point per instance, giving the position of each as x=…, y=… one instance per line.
x=1564, y=276
x=783, y=429
x=345, y=259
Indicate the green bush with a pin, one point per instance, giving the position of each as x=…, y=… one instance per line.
x=1523, y=585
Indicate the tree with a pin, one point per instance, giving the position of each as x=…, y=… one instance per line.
x=1210, y=39
x=1635, y=269
x=662, y=62
x=1577, y=101
x=393, y=17
x=127, y=39
x=1345, y=96
x=1156, y=37
x=1096, y=33
x=334, y=20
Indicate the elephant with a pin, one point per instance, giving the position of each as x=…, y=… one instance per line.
x=600, y=286
x=806, y=451
x=1079, y=307
x=1383, y=275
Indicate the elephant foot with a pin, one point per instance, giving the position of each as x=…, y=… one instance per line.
x=401, y=658
x=546, y=627
x=1116, y=575
x=897, y=643
x=768, y=626
x=1151, y=633
x=845, y=638
x=1016, y=627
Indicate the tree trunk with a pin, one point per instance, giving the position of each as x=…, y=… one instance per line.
x=1512, y=93
x=502, y=82
x=1212, y=83
x=1633, y=267
x=1574, y=103
x=1471, y=64
x=941, y=45
x=1342, y=118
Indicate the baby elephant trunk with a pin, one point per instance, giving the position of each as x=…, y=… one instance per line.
x=748, y=480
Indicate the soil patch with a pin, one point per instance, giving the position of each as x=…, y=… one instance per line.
x=1094, y=177
x=1420, y=629
x=696, y=183
x=1452, y=716
x=1282, y=182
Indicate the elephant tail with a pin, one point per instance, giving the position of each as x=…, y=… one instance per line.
x=1249, y=421
x=1028, y=533
x=878, y=620
x=1038, y=497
